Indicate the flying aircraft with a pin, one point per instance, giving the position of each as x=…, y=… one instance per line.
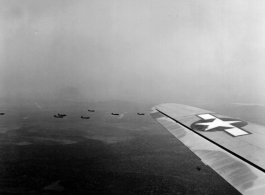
x=85, y=117
x=58, y=116
x=91, y=110
x=2, y=113
x=140, y=113
x=233, y=148
x=61, y=115
x=115, y=114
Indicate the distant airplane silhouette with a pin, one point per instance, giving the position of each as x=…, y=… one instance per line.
x=140, y=113
x=85, y=117
x=91, y=110
x=115, y=114
x=2, y=113
x=61, y=115
x=58, y=116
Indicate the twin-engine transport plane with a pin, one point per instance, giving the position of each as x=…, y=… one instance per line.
x=233, y=148
x=85, y=117
x=115, y=114
x=58, y=116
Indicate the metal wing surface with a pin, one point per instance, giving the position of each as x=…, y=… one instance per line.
x=235, y=149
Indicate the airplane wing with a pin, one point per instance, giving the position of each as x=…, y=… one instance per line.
x=233, y=148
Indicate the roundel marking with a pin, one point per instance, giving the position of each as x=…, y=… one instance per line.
x=210, y=123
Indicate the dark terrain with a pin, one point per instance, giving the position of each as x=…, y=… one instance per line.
x=125, y=154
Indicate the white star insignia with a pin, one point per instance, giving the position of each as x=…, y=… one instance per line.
x=218, y=123
x=228, y=127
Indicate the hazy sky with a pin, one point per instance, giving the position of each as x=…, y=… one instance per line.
x=146, y=50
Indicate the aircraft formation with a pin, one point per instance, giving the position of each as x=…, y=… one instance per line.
x=83, y=117
x=87, y=117
x=64, y=115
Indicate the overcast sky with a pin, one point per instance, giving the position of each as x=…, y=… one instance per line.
x=146, y=50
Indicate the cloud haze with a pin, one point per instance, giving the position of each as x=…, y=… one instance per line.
x=166, y=51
